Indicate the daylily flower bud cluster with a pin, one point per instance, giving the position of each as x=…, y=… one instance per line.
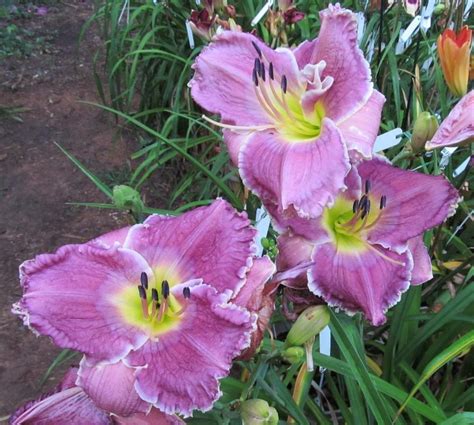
x=206, y=22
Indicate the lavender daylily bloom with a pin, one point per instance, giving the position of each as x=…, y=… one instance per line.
x=69, y=404
x=292, y=118
x=153, y=300
x=458, y=127
x=367, y=248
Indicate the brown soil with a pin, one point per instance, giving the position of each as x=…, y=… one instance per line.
x=37, y=180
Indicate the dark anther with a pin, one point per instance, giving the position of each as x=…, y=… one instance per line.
x=142, y=292
x=256, y=65
x=262, y=70
x=186, y=292
x=367, y=206
x=144, y=280
x=270, y=71
x=355, y=205
x=255, y=76
x=383, y=202
x=362, y=202
x=284, y=83
x=259, y=52
x=154, y=294
x=367, y=186
x=165, y=289
x=365, y=209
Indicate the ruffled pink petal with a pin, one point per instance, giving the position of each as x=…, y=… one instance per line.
x=458, y=127
x=293, y=250
x=69, y=297
x=234, y=142
x=155, y=417
x=360, y=130
x=258, y=297
x=415, y=202
x=422, y=270
x=181, y=370
x=305, y=53
x=251, y=294
x=337, y=46
x=111, y=387
x=363, y=281
x=293, y=260
x=110, y=239
x=69, y=406
x=222, y=81
x=213, y=243
x=304, y=175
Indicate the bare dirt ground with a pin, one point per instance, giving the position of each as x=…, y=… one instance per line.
x=37, y=180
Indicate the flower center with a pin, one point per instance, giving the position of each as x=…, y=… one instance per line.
x=295, y=110
x=348, y=222
x=154, y=308
x=283, y=103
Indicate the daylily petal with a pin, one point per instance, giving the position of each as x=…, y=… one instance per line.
x=284, y=173
x=155, y=417
x=422, y=270
x=305, y=53
x=360, y=281
x=360, y=130
x=311, y=229
x=415, y=202
x=293, y=250
x=68, y=296
x=180, y=373
x=111, y=386
x=234, y=142
x=258, y=297
x=222, y=81
x=70, y=406
x=337, y=46
x=214, y=243
x=458, y=127
x=111, y=238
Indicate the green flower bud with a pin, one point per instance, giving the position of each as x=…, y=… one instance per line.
x=265, y=243
x=423, y=130
x=258, y=412
x=293, y=354
x=126, y=197
x=439, y=9
x=309, y=323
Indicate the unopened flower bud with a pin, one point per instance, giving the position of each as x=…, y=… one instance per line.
x=439, y=9
x=126, y=197
x=423, y=130
x=309, y=323
x=293, y=354
x=258, y=412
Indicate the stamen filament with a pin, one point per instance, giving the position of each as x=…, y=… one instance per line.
x=238, y=127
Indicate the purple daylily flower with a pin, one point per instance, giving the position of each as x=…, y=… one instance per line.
x=69, y=404
x=458, y=127
x=292, y=117
x=366, y=249
x=154, y=297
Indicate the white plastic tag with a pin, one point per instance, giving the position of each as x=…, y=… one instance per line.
x=189, y=32
x=388, y=140
x=266, y=7
x=262, y=224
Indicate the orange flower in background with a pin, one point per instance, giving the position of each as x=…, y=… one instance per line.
x=454, y=54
